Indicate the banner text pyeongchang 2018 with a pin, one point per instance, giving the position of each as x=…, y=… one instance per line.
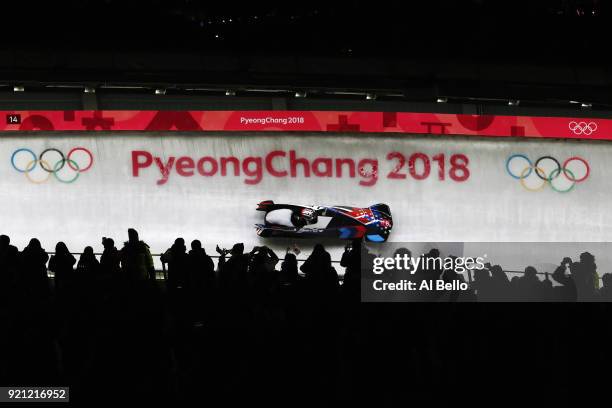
x=281, y=163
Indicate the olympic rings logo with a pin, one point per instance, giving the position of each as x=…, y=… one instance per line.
x=547, y=170
x=583, y=128
x=65, y=168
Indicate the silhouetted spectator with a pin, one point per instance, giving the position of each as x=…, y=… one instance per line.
x=201, y=269
x=62, y=264
x=318, y=271
x=529, y=287
x=605, y=293
x=8, y=262
x=394, y=274
x=500, y=284
x=233, y=271
x=483, y=285
x=88, y=264
x=87, y=269
x=178, y=264
x=431, y=267
x=262, y=273
x=33, y=268
x=136, y=259
x=110, y=259
x=289, y=269
x=585, y=277
x=567, y=291
x=450, y=275
x=547, y=288
x=351, y=261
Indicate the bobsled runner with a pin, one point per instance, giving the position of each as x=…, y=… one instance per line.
x=373, y=223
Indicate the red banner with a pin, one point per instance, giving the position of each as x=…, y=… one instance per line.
x=308, y=121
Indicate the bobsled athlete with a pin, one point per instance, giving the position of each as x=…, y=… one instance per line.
x=304, y=216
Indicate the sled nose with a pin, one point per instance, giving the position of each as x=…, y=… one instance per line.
x=265, y=205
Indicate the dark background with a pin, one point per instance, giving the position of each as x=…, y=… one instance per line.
x=479, y=29
x=544, y=53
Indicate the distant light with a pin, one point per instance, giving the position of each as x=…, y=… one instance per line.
x=269, y=90
x=442, y=99
x=160, y=91
x=230, y=92
x=18, y=88
x=89, y=89
x=122, y=87
x=301, y=94
x=514, y=102
x=345, y=93
x=371, y=96
x=216, y=35
x=585, y=105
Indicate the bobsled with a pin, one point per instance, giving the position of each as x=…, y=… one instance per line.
x=372, y=223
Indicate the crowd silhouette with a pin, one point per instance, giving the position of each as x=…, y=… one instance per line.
x=215, y=327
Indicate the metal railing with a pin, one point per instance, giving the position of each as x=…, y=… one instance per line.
x=159, y=256
x=161, y=274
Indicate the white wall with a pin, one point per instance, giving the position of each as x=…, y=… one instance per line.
x=107, y=199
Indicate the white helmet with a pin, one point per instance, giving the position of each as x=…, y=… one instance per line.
x=308, y=214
